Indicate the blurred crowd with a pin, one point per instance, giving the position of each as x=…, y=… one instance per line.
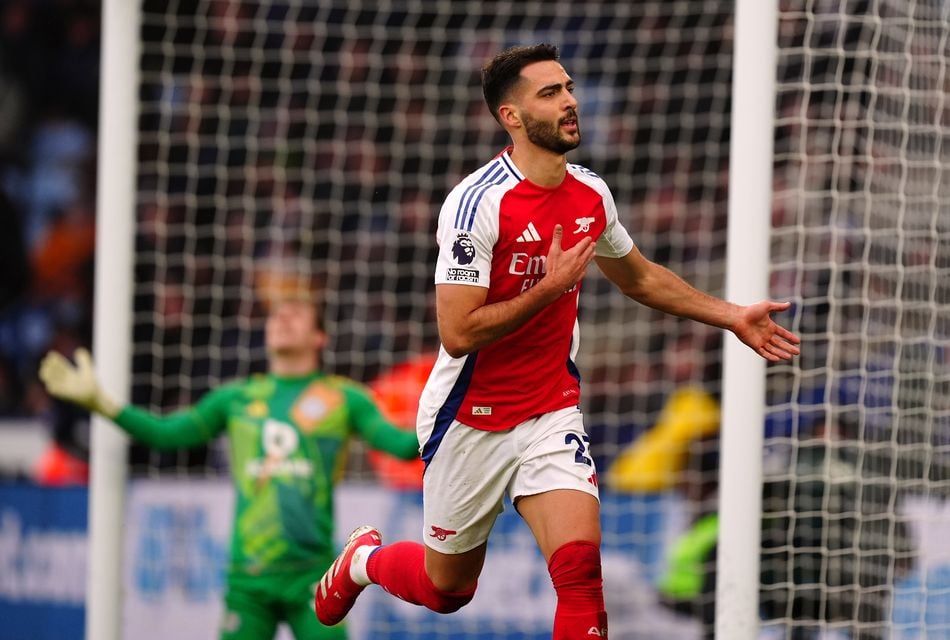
x=49, y=69
x=290, y=136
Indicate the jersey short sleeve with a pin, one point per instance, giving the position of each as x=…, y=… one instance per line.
x=467, y=232
x=614, y=242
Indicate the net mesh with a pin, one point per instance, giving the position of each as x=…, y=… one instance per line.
x=289, y=137
x=857, y=428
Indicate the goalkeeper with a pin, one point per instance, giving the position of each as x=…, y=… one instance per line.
x=287, y=433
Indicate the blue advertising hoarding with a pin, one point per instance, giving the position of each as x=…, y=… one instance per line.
x=42, y=562
x=175, y=549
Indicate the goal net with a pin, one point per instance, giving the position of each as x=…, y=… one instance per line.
x=857, y=459
x=282, y=139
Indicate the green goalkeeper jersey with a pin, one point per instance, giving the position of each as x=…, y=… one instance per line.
x=287, y=439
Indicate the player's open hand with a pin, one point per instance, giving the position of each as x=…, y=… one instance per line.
x=763, y=335
x=563, y=269
x=75, y=383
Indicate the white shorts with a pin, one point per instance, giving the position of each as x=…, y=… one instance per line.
x=472, y=470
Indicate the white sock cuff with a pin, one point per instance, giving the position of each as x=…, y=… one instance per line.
x=358, y=565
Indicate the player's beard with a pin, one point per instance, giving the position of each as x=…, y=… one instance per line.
x=547, y=135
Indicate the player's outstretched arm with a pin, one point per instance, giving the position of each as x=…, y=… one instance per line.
x=763, y=335
x=78, y=384
x=658, y=287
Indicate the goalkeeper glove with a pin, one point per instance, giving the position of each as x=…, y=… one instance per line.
x=76, y=384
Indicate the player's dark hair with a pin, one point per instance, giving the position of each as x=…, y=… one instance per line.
x=502, y=73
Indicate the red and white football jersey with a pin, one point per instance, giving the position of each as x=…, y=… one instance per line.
x=495, y=231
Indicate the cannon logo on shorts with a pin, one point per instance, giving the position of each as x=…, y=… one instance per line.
x=441, y=534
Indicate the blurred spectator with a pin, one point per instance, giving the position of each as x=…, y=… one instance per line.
x=14, y=266
x=59, y=177
x=58, y=467
x=63, y=256
x=397, y=392
x=681, y=453
x=832, y=548
x=656, y=460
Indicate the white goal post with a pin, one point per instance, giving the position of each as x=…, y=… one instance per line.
x=112, y=334
x=747, y=274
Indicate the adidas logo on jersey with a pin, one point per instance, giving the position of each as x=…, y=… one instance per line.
x=600, y=633
x=530, y=234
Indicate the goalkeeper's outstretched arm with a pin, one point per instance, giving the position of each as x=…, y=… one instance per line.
x=79, y=385
x=376, y=430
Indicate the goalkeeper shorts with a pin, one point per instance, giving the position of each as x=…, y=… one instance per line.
x=256, y=604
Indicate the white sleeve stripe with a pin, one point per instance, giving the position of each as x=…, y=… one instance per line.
x=490, y=174
x=481, y=192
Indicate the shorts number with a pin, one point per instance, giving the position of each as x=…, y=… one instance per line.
x=580, y=456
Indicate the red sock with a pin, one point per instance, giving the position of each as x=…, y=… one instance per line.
x=575, y=572
x=400, y=569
